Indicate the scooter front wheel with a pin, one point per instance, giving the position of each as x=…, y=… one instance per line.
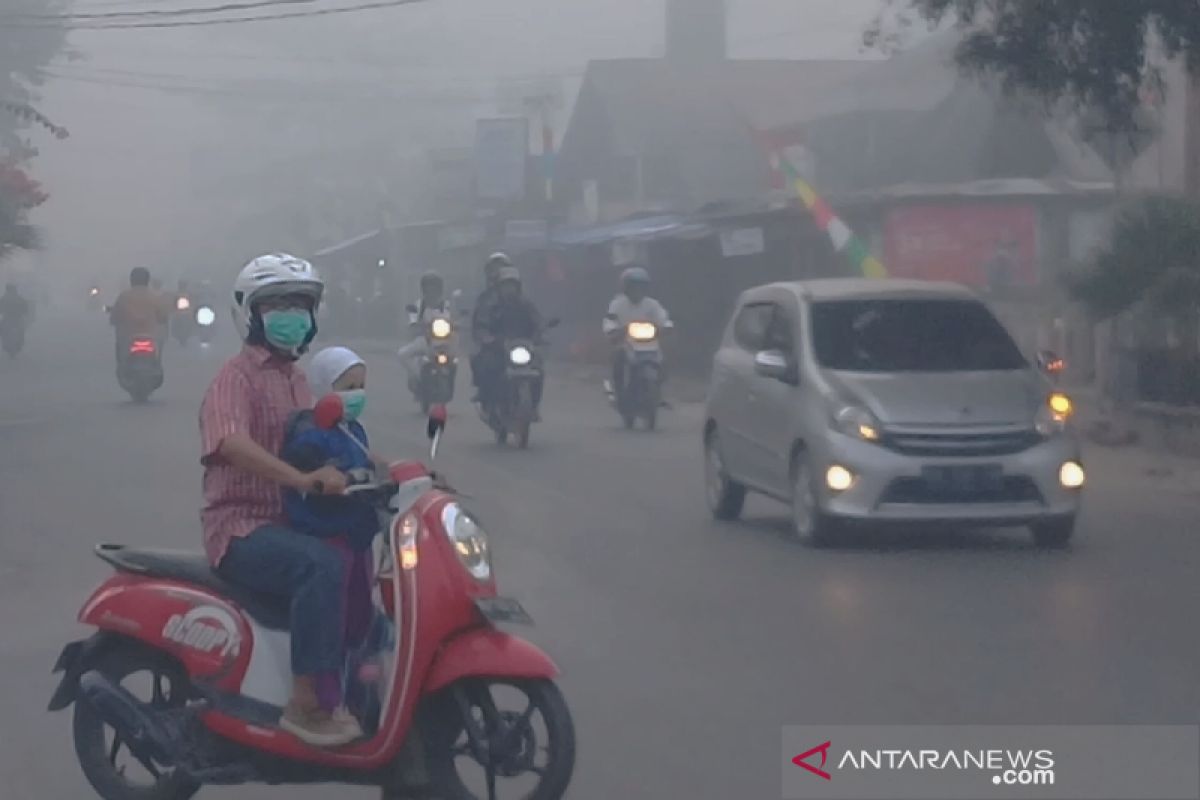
x=112, y=770
x=503, y=739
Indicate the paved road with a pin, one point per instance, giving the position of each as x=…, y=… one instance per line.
x=686, y=644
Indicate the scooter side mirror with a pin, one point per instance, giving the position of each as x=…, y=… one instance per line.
x=328, y=411
x=410, y=308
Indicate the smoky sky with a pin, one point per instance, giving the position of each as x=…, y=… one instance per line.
x=145, y=107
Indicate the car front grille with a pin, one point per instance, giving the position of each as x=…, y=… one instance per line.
x=919, y=491
x=959, y=443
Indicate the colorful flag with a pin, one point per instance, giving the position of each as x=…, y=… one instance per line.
x=844, y=241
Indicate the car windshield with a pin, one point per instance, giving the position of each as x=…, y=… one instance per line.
x=904, y=335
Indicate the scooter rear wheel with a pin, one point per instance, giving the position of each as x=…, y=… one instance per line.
x=98, y=747
x=535, y=758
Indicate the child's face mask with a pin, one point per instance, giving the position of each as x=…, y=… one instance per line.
x=353, y=403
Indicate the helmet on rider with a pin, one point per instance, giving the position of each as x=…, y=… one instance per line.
x=635, y=282
x=139, y=276
x=432, y=283
x=508, y=280
x=495, y=263
x=277, y=275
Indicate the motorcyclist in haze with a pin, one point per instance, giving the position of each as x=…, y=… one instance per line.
x=632, y=304
x=14, y=309
x=511, y=316
x=138, y=312
x=433, y=303
x=483, y=304
x=243, y=422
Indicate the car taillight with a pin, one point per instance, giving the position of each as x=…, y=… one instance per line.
x=142, y=346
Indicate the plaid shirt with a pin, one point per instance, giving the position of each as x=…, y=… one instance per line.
x=254, y=393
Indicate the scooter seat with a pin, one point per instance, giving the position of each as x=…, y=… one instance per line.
x=267, y=610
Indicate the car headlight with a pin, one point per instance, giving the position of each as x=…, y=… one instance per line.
x=859, y=423
x=469, y=541
x=1053, y=414
x=520, y=355
x=440, y=328
x=642, y=331
x=205, y=316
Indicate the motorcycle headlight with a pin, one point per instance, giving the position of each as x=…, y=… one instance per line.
x=520, y=356
x=642, y=331
x=205, y=316
x=469, y=541
x=440, y=328
x=1053, y=415
x=858, y=423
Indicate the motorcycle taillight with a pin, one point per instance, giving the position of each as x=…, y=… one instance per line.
x=142, y=346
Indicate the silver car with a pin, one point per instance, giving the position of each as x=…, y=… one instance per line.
x=886, y=401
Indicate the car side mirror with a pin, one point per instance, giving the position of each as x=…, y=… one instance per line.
x=775, y=364
x=1050, y=363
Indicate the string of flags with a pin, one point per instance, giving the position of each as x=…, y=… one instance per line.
x=845, y=242
x=30, y=114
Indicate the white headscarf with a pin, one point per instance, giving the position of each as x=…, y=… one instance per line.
x=329, y=365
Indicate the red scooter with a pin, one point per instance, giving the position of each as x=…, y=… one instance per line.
x=187, y=675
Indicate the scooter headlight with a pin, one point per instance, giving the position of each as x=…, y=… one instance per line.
x=520, y=356
x=205, y=316
x=469, y=541
x=440, y=328
x=642, y=331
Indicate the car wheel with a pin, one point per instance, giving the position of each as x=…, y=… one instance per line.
x=726, y=497
x=1053, y=533
x=809, y=524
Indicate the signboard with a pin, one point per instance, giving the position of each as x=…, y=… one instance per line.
x=986, y=245
x=526, y=234
x=501, y=148
x=741, y=242
x=461, y=234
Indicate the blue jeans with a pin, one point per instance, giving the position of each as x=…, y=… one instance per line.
x=308, y=573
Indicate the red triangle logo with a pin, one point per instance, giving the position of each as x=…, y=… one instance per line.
x=802, y=760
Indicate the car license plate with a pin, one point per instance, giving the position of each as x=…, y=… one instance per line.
x=964, y=480
x=503, y=609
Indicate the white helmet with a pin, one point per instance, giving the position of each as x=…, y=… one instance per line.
x=272, y=276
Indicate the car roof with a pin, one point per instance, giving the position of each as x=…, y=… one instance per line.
x=866, y=289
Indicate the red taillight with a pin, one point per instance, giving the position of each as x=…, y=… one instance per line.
x=143, y=346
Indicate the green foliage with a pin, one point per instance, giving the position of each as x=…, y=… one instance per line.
x=1096, y=52
x=1153, y=256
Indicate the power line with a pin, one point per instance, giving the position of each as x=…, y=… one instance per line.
x=109, y=26
x=168, y=12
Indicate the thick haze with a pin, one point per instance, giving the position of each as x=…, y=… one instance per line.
x=153, y=176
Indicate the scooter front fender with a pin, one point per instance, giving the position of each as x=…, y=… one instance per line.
x=488, y=653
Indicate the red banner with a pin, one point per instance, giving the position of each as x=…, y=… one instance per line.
x=982, y=244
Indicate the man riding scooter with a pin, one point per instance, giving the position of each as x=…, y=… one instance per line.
x=482, y=310
x=139, y=312
x=631, y=305
x=243, y=421
x=511, y=316
x=433, y=305
x=15, y=314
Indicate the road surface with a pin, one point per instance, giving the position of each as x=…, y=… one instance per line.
x=686, y=644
